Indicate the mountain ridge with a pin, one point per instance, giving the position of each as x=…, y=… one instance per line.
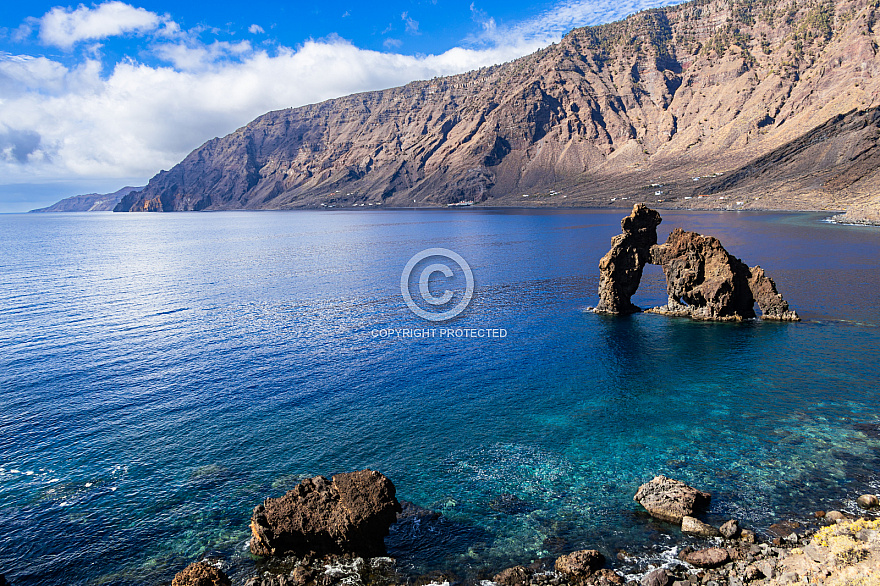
x=89, y=202
x=653, y=108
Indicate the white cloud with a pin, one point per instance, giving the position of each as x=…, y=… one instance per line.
x=62, y=123
x=256, y=29
x=194, y=56
x=412, y=26
x=64, y=27
x=74, y=122
x=550, y=26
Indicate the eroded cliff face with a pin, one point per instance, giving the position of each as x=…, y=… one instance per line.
x=635, y=109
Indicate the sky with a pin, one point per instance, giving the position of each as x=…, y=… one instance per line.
x=97, y=96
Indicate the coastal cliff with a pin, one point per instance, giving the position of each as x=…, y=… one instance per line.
x=91, y=202
x=771, y=102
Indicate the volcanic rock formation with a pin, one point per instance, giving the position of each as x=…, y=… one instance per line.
x=201, y=574
x=671, y=500
x=621, y=268
x=703, y=280
x=350, y=514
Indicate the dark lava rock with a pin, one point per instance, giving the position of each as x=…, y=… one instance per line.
x=785, y=529
x=510, y=504
x=410, y=510
x=772, y=305
x=620, y=270
x=671, y=500
x=580, y=565
x=199, y=574
x=703, y=280
x=352, y=513
x=706, y=282
x=606, y=577
x=516, y=576
x=712, y=557
x=657, y=578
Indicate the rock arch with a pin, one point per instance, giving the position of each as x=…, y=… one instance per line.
x=703, y=280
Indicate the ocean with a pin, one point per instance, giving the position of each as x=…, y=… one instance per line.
x=162, y=374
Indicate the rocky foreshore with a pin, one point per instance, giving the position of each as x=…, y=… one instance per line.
x=858, y=216
x=331, y=532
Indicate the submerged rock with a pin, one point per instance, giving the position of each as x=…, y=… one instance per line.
x=620, y=270
x=510, y=504
x=671, y=500
x=198, y=574
x=703, y=280
x=350, y=514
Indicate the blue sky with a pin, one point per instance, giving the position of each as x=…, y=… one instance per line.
x=101, y=95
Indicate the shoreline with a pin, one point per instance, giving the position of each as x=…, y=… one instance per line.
x=787, y=545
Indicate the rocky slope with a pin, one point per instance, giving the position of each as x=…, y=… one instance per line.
x=750, y=103
x=92, y=202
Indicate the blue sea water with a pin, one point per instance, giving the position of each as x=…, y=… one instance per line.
x=161, y=374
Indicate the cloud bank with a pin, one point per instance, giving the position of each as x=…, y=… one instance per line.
x=129, y=119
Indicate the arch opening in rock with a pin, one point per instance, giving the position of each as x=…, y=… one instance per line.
x=703, y=280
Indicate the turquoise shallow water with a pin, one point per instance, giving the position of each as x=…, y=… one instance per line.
x=161, y=374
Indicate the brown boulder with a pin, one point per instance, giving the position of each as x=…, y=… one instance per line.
x=580, y=565
x=516, y=576
x=867, y=501
x=659, y=577
x=671, y=500
x=697, y=527
x=707, y=558
x=730, y=529
x=606, y=577
x=201, y=574
x=620, y=270
x=350, y=514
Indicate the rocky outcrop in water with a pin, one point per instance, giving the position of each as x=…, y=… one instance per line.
x=703, y=280
x=620, y=270
x=201, y=574
x=671, y=500
x=580, y=565
x=351, y=513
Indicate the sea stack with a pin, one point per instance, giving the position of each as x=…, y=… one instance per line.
x=703, y=280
